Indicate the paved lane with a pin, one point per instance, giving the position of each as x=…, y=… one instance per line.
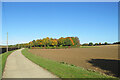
x=18, y=66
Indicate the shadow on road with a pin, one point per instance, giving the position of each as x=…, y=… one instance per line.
x=107, y=64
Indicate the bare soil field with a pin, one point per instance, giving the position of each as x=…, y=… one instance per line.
x=103, y=59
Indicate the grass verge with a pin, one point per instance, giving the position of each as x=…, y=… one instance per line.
x=63, y=70
x=3, y=58
x=64, y=47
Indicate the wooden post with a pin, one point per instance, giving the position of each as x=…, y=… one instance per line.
x=7, y=42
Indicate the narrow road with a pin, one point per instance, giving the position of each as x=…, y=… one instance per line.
x=18, y=66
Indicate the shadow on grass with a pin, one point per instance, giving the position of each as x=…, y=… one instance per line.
x=107, y=64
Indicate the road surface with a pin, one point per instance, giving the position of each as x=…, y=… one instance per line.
x=18, y=66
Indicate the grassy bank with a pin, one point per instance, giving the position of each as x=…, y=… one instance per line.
x=62, y=70
x=3, y=58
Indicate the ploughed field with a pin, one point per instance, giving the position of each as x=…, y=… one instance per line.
x=103, y=59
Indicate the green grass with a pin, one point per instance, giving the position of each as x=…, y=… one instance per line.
x=62, y=70
x=89, y=46
x=3, y=58
x=64, y=47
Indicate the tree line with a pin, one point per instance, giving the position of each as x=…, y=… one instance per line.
x=52, y=42
x=95, y=44
x=61, y=42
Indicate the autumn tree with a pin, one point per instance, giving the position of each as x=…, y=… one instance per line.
x=68, y=41
x=54, y=42
x=33, y=43
x=99, y=43
x=61, y=41
x=46, y=41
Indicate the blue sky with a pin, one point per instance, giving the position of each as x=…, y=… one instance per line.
x=90, y=21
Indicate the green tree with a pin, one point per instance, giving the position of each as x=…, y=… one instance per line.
x=90, y=44
x=33, y=43
x=105, y=43
x=85, y=44
x=96, y=43
x=77, y=41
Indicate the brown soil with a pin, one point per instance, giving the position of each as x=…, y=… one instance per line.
x=103, y=59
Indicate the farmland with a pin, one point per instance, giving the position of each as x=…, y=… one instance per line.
x=103, y=59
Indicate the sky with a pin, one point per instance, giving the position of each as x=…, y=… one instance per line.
x=60, y=0
x=89, y=21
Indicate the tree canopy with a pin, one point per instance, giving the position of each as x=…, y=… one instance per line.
x=45, y=42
